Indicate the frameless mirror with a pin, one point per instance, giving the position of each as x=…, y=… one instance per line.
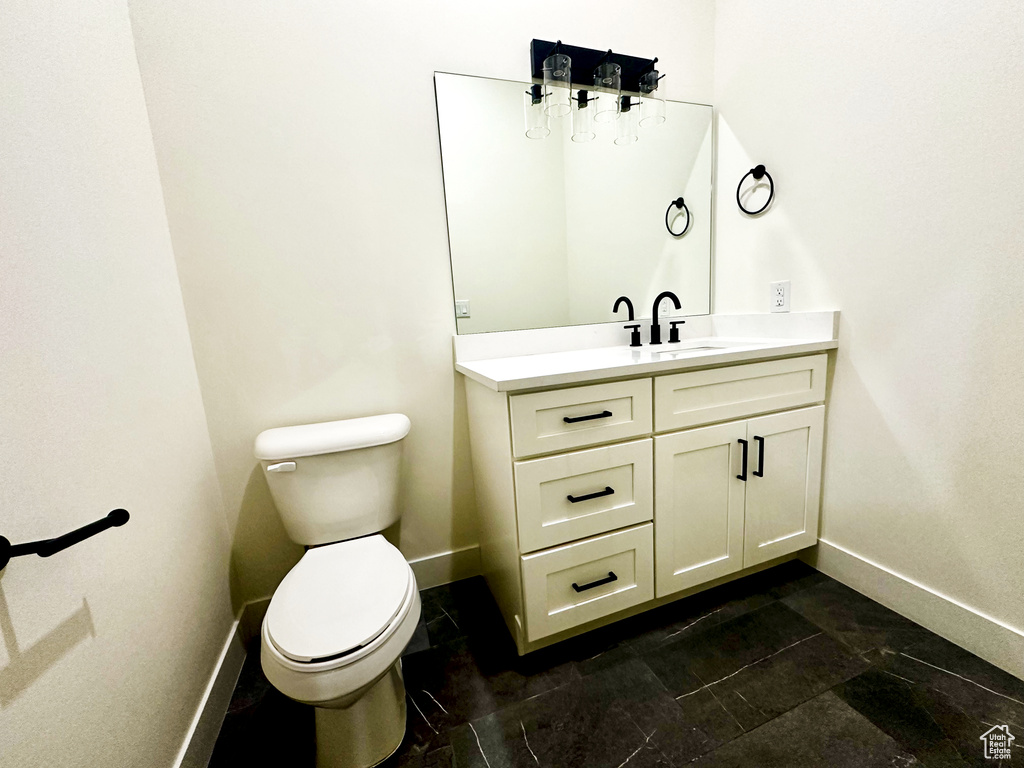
x=549, y=232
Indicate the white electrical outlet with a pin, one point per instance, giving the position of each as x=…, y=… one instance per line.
x=665, y=308
x=780, y=296
x=462, y=308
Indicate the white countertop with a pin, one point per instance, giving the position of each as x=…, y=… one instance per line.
x=508, y=361
x=550, y=369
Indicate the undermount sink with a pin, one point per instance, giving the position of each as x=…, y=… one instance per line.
x=695, y=349
x=684, y=348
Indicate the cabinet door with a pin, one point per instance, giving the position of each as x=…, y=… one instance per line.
x=698, y=506
x=783, y=489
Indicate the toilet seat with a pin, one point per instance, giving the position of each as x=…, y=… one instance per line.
x=338, y=599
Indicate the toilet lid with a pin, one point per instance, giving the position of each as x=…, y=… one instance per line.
x=337, y=598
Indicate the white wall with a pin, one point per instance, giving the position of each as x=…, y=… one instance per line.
x=893, y=132
x=298, y=152
x=105, y=648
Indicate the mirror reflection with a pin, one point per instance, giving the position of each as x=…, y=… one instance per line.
x=549, y=232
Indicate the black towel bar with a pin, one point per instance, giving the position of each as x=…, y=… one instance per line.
x=47, y=547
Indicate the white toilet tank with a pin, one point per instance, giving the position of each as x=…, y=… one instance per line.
x=335, y=480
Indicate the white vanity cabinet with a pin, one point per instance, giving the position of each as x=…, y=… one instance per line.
x=600, y=500
x=716, y=513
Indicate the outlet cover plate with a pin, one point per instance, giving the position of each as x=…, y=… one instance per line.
x=462, y=308
x=780, y=292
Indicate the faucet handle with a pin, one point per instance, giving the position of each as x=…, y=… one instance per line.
x=673, y=334
x=634, y=337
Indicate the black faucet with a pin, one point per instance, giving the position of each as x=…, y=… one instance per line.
x=629, y=306
x=655, y=325
x=634, y=337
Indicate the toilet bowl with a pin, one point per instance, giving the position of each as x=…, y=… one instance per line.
x=337, y=624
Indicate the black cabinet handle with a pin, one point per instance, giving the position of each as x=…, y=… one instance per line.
x=608, y=491
x=610, y=578
x=574, y=419
x=743, y=472
x=759, y=472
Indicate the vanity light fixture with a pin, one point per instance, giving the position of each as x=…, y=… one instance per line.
x=608, y=79
x=533, y=110
x=652, y=105
x=626, y=124
x=558, y=83
x=609, y=88
x=583, y=116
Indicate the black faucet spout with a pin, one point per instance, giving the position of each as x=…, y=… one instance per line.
x=629, y=306
x=655, y=325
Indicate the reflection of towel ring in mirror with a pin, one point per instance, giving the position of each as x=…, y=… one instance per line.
x=758, y=173
x=677, y=203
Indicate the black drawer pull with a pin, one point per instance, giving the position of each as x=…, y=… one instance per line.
x=574, y=419
x=611, y=577
x=608, y=491
x=759, y=472
x=743, y=472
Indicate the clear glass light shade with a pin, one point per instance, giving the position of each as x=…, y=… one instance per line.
x=583, y=117
x=626, y=125
x=557, y=85
x=608, y=80
x=652, y=110
x=534, y=114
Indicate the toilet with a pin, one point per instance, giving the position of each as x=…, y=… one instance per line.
x=338, y=623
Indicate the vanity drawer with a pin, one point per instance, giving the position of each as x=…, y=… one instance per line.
x=575, y=495
x=562, y=419
x=557, y=583
x=702, y=397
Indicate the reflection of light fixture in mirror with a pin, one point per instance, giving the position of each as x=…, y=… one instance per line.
x=652, y=105
x=583, y=116
x=533, y=109
x=608, y=79
x=557, y=83
x=625, y=126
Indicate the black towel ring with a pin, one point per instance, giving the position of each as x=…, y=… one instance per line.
x=758, y=173
x=677, y=203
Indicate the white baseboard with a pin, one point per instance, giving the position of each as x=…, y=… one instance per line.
x=197, y=747
x=446, y=567
x=994, y=640
x=252, y=619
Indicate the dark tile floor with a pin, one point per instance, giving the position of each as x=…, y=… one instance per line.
x=783, y=668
